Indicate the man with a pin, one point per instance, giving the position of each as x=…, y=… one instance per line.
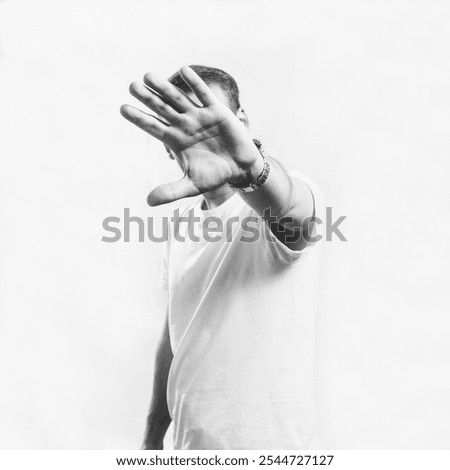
x=234, y=369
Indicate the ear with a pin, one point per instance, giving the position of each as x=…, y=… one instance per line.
x=169, y=152
x=172, y=156
x=242, y=116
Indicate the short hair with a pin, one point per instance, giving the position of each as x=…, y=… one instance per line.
x=210, y=76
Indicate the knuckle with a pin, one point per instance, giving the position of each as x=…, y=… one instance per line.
x=163, y=136
x=163, y=106
x=176, y=118
x=178, y=99
x=190, y=131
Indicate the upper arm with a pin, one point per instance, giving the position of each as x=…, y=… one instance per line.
x=297, y=229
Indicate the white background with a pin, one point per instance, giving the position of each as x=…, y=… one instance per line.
x=354, y=93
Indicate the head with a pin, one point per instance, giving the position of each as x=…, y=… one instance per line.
x=222, y=84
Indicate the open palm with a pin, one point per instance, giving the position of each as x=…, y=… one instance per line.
x=211, y=144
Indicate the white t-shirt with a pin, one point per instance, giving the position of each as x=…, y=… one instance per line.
x=241, y=322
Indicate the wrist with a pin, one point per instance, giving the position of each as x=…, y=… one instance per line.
x=255, y=169
x=255, y=175
x=248, y=172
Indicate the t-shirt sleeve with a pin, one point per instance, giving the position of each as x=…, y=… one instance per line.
x=278, y=249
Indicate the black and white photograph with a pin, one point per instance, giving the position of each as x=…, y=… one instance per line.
x=224, y=229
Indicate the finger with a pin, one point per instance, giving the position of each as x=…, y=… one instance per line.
x=170, y=192
x=170, y=93
x=154, y=102
x=198, y=86
x=148, y=123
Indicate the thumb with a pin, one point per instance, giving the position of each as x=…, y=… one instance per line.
x=170, y=192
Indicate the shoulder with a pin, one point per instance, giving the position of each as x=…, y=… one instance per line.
x=313, y=187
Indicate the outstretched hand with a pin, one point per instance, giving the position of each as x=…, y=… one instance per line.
x=211, y=144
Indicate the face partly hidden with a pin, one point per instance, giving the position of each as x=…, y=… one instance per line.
x=222, y=96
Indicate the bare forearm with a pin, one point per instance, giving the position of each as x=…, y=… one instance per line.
x=282, y=197
x=158, y=419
